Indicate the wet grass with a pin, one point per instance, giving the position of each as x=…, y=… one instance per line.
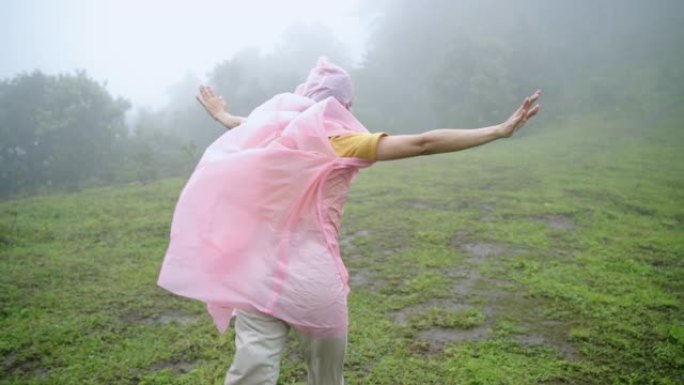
x=553, y=258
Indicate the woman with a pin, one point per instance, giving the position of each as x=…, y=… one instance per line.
x=255, y=231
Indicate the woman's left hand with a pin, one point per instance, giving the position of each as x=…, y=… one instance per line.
x=214, y=104
x=527, y=110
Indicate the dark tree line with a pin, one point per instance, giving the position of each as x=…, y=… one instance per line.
x=437, y=63
x=58, y=131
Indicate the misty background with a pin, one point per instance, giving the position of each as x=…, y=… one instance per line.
x=100, y=93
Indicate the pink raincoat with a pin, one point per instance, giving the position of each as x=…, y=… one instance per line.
x=257, y=225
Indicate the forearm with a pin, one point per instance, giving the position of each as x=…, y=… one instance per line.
x=435, y=142
x=456, y=139
x=228, y=120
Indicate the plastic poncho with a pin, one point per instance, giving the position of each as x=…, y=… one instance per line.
x=256, y=227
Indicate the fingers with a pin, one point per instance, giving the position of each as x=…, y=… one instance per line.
x=525, y=106
x=527, y=103
x=535, y=96
x=527, y=109
x=201, y=101
x=530, y=108
x=206, y=92
x=533, y=111
x=521, y=108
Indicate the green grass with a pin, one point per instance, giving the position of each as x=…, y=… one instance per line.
x=556, y=257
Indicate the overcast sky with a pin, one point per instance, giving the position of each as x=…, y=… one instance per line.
x=140, y=47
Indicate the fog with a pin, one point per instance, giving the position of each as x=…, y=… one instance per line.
x=416, y=66
x=141, y=48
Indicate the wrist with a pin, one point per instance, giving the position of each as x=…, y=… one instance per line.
x=221, y=115
x=497, y=131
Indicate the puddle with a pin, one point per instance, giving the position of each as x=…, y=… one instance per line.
x=403, y=316
x=486, y=212
x=346, y=240
x=363, y=279
x=536, y=328
x=549, y=333
x=9, y=360
x=483, y=249
x=559, y=222
x=433, y=338
x=165, y=318
x=466, y=277
x=177, y=366
x=30, y=367
x=496, y=298
x=563, y=348
x=477, y=285
x=358, y=279
x=465, y=280
x=416, y=204
x=180, y=318
x=354, y=257
x=392, y=251
x=476, y=249
x=437, y=337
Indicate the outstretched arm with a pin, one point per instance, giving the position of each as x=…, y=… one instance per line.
x=216, y=107
x=454, y=139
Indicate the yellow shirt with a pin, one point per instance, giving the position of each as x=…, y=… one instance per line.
x=357, y=145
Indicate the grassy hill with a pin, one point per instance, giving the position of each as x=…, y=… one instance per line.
x=556, y=257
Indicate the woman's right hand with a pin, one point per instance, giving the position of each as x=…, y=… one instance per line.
x=527, y=110
x=214, y=104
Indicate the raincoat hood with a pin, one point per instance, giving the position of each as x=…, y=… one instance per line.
x=325, y=80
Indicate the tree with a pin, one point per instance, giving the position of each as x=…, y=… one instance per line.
x=447, y=63
x=58, y=130
x=251, y=77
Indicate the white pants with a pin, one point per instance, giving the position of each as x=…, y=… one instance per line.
x=260, y=340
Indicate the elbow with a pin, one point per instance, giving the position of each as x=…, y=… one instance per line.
x=404, y=146
x=424, y=145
